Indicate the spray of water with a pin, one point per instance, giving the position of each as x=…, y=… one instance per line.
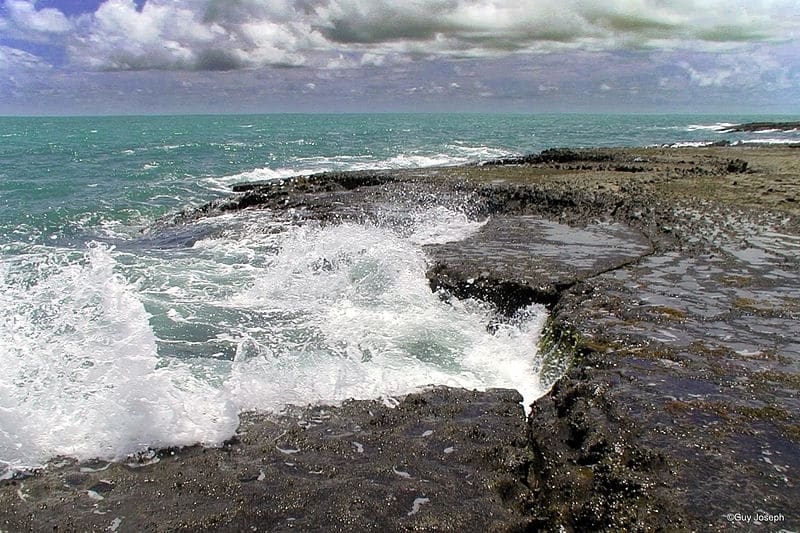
x=109, y=352
x=82, y=373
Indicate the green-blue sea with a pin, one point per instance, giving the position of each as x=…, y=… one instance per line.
x=115, y=339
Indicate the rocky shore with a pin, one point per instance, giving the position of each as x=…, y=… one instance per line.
x=763, y=126
x=672, y=277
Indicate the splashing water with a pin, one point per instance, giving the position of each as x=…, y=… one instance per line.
x=111, y=351
x=82, y=373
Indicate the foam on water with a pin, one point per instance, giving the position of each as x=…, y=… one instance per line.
x=771, y=140
x=719, y=126
x=456, y=154
x=108, y=352
x=81, y=374
x=359, y=321
x=691, y=144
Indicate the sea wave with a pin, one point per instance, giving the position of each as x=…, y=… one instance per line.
x=690, y=144
x=718, y=126
x=82, y=373
x=771, y=140
x=112, y=351
x=455, y=154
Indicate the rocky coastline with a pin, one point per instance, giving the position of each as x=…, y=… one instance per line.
x=762, y=126
x=672, y=277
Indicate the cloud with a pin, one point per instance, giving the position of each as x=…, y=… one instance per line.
x=193, y=35
x=757, y=69
x=18, y=70
x=24, y=22
x=483, y=27
x=14, y=60
x=236, y=34
x=566, y=81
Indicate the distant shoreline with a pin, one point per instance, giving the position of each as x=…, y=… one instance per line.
x=762, y=126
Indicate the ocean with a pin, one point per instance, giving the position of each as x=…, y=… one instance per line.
x=115, y=339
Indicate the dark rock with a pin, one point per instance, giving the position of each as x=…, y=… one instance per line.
x=443, y=460
x=675, y=299
x=518, y=260
x=763, y=126
x=736, y=166
x=552, y=155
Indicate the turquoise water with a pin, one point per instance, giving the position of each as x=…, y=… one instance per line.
x=66, y=176
x=112, y=342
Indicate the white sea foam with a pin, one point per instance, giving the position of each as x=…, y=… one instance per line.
x=107, y=353
x=81, y=373
x=457, y=154
x=691, y=144
x=439, y=225
x=223, y=183
x=355, y=318
x=361, y=322
x=719, y=126
x=170, y=147
x=770, y=140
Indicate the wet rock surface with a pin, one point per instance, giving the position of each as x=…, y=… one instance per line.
x=428, y=463
x=528, y=255
x=764, y=126
x=673, y=280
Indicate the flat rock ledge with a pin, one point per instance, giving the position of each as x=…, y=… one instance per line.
x=672, y=277
x=763, y=126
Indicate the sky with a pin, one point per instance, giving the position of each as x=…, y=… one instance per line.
x=254, y=56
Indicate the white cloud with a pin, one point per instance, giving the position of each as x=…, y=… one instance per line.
x=756, y=69
x=24, y=22
x=228, y=34
x=26, y=17
x=717, y=77
x=194, y=34
x=14, y=60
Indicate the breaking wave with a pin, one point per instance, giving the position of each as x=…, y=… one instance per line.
x=109, y=352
